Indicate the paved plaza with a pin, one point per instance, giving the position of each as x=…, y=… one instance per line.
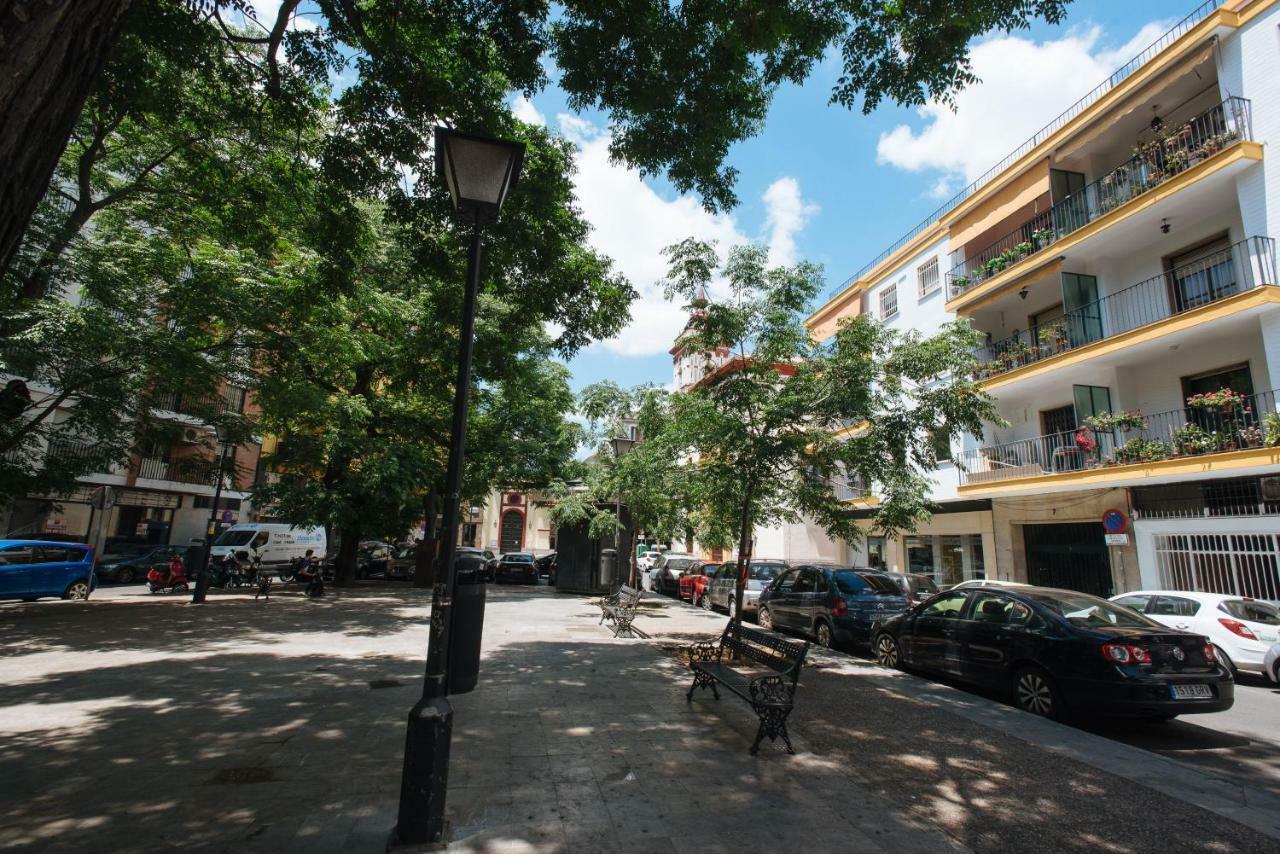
x=140, y=723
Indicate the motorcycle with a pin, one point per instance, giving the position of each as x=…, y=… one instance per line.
x=162, y=579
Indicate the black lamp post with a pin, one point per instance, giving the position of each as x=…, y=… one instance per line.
x=479, y=172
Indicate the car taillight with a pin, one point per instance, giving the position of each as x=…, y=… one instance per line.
x=841, y=608
x=1210, y=654
x=1123, y=653
x=1238, y=628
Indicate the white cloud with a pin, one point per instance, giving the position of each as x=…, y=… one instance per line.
x=632, y=223
x=526, y=112
x=786, y=214
x=268, y=10
x=1024, y=85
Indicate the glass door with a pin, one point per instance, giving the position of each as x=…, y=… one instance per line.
x=1070, y=207
x=1084, y=314
x=1202, y=276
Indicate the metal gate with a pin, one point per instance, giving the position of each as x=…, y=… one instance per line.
x=1231, y=564
x=1070, y=555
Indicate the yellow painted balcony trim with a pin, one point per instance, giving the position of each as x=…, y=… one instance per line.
x=851, y=430
x=867, y=501
x=992, y=288
x=1265, y=294
x=1207, y=464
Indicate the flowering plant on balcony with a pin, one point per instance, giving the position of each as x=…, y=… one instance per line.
x=1122, y=421
x=1041, y=236
x=1024, y=248
x=1252, y=436
x=1271, y=429
x=1223, y=399
x=1140, y=450
x=1085, y=441
x=1054, y=333
x=1192, y=439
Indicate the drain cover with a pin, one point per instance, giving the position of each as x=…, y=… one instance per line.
x=236, y=776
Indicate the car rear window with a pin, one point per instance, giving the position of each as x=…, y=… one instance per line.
x=922, y=584
x=880, y=584
x=518, y=559
x=678, y=565
x=1081, y=609
x=1254, y=612
x=765, y=571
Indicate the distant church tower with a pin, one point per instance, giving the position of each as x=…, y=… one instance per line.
x=688, y=366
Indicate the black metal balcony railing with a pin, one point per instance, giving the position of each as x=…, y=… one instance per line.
x=1215, y=276
x=1152, y=163
x=1247, y=421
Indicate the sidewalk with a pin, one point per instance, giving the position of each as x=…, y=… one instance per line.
x=136, y=723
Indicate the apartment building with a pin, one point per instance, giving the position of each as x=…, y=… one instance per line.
x=1121, y=268
x=162, y=495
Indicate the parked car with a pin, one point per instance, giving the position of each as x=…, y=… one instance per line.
x=127, y=568
x=517, y=567
x=545, y=562
x=831, y=605
x=649, y=577
x=1058, y=652
x=372, y=559
x=32, y=569
x=646, y=560
x=401, y=563
x=760, y=573
x=490, y=559
x=693, y=584
x=1272, y=663
x=985, y=582
x=914, y=586
x=666, y=579
x=275, y=543
x=1242, y=629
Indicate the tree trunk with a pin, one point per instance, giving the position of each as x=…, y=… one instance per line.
x=744, y=552
x=424, y=559
x=344, y=564
x=51, y=52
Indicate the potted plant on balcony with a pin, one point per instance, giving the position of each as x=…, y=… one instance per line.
x=1271, y=429
x=1197, y=155
x=1053, y=337
x=995, y=265
x=1223, y=400
x=1018, y=351
x=1087, y=445
x=1252, y=436
x=1176, y=161
x=1185, y=132
x=1041, y=237
x=1140, y=450
x=1192, y=439
x=959, y=283
x=1122, y=421
x=1024, y=248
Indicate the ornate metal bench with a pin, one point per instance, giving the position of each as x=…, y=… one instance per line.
x=771, y=694
x=620, y=610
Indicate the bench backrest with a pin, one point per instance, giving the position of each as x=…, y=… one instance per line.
x=628, y=594
x=765, y=649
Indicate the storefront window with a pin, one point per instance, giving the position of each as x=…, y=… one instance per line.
x=977, y=564
x=875, y=552
x=952, y=564
x=920, y=555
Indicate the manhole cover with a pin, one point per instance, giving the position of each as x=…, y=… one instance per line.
x=236, y=776
x=375, y=684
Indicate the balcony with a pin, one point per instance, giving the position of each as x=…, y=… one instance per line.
x=194, y=470
x=1238, y=269
x=1116, y=446
x=1152, y=164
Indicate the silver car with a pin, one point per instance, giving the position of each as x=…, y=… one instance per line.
x=720, y=590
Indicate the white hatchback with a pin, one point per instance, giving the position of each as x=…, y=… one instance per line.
x=1242, y=629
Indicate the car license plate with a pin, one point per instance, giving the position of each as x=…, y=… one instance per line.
x=1191, y=692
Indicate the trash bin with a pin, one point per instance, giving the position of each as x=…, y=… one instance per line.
x=608, y=568
x=467, y=627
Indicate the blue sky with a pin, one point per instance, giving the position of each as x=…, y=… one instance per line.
x=833, y=186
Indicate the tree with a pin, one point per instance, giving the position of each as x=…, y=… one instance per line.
x=680, y=82
x=757, y=435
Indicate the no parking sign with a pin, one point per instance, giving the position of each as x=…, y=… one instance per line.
x=1115, y=523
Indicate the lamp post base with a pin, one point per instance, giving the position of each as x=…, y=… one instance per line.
x=424, y=783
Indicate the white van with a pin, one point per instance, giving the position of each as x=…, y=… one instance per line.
x=275, y=542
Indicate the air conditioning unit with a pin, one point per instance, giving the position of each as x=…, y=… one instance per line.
x=191, y=436
x=1270, y=487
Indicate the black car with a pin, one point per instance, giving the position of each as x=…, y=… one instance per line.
x=372, y=559
x=517, y=567
x=1058, y=652
x=546, y=565
x=667, y=579
x=490, y=560
x=833, y=605
x=915, y=587
x=133, y=565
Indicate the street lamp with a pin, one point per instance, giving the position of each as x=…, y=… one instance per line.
x=620, y=445
x=479, y=172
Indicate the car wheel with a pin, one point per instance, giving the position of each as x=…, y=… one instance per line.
x=1226, y=661
x=76, y=590
x=823, y=634
x=125, y=576
x=705, y=602
x=1034, y=691
x=764, y=618
x=887, y=652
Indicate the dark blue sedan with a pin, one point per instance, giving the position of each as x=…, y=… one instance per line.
x=832, y=604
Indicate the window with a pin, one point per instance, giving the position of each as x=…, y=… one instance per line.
x=805, y=581
x=1137, y=603
x=941, y=445
x=994, y=609
x=889, y=301
x=1254, y=612
x=1173, y=606
x=765, y=571
x=947, y=607
x=204, y=502
x=234, y=396
x=785, y=583
x=920, y=555
x=927, y=277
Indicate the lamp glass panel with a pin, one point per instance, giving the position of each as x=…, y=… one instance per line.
x=479, y=168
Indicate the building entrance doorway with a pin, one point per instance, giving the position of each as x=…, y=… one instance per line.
x=1072, y=556
x=511, y=533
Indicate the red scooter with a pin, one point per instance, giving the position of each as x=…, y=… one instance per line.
x=170, y=578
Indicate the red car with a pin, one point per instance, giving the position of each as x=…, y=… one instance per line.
x=695, y=579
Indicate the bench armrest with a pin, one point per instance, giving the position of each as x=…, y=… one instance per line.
x=772, y=690
x=703, y=651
